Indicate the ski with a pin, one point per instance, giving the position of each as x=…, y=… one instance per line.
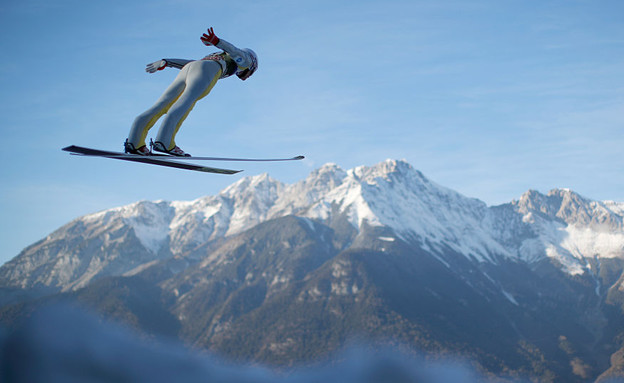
x=84, y=151
x=165, y=160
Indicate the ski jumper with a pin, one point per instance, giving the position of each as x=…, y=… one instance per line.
x=195, y=80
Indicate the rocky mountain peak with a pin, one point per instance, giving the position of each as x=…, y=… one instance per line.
x=261, y=184
x=572, y=209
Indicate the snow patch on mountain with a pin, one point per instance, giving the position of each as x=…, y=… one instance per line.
x=351, y=202
x=151, y=224
x=304, y=195
x=572, y=246
x=252, y=198
x=585, y=242
x=149, y=220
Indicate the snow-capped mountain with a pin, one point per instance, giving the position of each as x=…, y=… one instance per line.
x=287, y=272
x=561, y=225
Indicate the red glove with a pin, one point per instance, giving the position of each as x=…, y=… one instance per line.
x=210, y=38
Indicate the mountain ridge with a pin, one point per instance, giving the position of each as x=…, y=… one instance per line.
x=561, y=225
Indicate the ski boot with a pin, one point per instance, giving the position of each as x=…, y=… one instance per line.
x=141, y=151
x=176, y=151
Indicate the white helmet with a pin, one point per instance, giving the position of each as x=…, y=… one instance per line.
x=247, y=72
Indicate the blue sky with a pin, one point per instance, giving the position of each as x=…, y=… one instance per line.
x=488, y=97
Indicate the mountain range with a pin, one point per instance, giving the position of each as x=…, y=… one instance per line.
x=288, y=273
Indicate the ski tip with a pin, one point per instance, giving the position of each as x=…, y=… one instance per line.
x=298, y=158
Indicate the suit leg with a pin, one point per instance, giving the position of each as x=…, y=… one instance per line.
x=201, y=78
x=146, y=120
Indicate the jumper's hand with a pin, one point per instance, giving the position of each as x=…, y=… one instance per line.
x=210, y=38
x=156, y=66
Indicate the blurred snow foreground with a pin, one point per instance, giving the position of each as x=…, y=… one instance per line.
x=65, y=344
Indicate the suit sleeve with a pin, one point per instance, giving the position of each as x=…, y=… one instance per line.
x=241, y=58
x=177, y=63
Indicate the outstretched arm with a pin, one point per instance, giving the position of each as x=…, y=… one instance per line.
x=161, y=64
x=242, y=58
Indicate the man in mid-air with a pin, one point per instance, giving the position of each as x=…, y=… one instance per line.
x=194, y=82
